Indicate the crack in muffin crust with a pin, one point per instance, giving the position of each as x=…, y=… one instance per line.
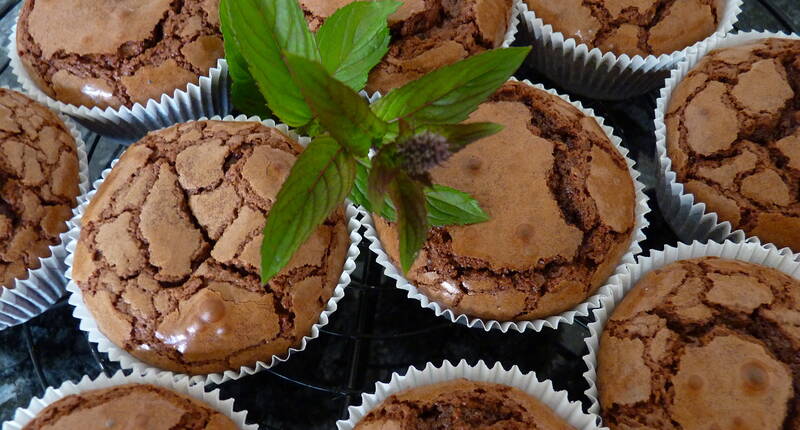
x=125, y=404
x=633, y=27
x=38, y=183
x=546, y=248
x=146, y=49
x=169, y=254
x=702, y=343
x=745, y=164
x=462, y=404
x=427, y=35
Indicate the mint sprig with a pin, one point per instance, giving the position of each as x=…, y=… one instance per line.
x=310, y=82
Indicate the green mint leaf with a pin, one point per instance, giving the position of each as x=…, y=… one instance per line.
x=448, y=206
x=381, y=175
x=340, y=110
x=448, y=95
x=245, y=93
x=358, y=195
x=354, y=39
x=461, y=135
x=318, y=183
x=412, y=218
x=262, y=30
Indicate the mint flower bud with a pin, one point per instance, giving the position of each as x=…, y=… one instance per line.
x=423, y=152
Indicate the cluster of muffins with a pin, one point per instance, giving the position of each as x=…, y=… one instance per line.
x=167, y=260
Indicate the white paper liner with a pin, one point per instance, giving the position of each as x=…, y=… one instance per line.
x=513, y=24
x=128, y=361
x=619, y=285
x=689, y=219
x=568, y=317
x=571, y=412
x=590, y=72
x=43, y=287
x=23, y=416
x=206, y=98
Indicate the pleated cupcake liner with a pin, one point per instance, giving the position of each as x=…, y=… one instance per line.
x=529, y=383
x=568, y=317
x=687, y=217
x=128, y=361
x=44, y=286
x=593, y=73
x=23, y=416
x=205, y=98
x=620, y=284
x=513, y=24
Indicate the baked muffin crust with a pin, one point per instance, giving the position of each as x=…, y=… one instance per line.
x=733, y=135
x=141, y=406
x=462, y=404
x=122, y=52
x=704, y=343
x=561, y=204
x=633, y=27
x=38, y=183
x=169, y=254
x=427, y=35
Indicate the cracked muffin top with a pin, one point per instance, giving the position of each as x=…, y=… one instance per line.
x=704, y=343
x=633, y=27
x=139, y=406
x=117, y=53
x=169, y=254
x=733, y=135
x=427, y=35
x=561, y=204
x=38, y=183
x=462, y=404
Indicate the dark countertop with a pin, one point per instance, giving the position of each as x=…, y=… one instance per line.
x=376, y=331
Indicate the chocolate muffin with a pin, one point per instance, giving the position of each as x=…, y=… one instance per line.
x=139, y=406
x=561, y=204
x=704, y=343
x=169, y=254
x=633, y=27
x=462, y=404
x=733, y=135
x=427, y=35
x=117, y=53
x=38, y=183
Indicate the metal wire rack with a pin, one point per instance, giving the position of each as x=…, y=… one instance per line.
x=375, y=332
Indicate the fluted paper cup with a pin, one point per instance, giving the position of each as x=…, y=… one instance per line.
x=43, y=287
x=568, y=317
x=128, y=361
x=543, y=391
x=620, y=284
x=593, y=73
x=205, y=98
x=23, y=416
x=688, y=218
